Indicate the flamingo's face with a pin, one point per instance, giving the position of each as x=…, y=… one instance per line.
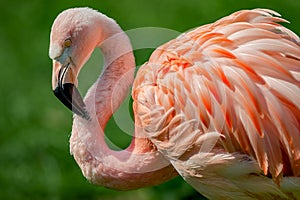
x=71, y=44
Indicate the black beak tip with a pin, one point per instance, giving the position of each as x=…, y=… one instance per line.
x=86, y=115
x=71, y=98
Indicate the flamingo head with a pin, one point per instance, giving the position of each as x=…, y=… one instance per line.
x=72, y=40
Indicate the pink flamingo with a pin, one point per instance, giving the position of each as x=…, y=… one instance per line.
x=218, y=105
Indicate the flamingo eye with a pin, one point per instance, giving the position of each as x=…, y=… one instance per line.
x=68, y=43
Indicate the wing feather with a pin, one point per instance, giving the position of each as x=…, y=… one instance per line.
x=238, y=79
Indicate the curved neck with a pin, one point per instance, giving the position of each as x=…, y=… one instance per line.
x=140, y=164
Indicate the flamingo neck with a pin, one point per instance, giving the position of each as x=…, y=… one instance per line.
x=140, y=164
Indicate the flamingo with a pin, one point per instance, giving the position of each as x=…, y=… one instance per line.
x=218, y=105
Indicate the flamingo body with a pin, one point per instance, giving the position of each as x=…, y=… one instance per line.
x=222, y=104
x=219, y=104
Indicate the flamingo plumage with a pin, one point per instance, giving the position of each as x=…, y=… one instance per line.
x=218, y=105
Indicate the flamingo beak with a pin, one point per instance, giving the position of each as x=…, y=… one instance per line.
x=65, y=90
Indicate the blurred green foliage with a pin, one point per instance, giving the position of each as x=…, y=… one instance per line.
x=34, y=126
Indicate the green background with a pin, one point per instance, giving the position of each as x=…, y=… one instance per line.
x=34, y=126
